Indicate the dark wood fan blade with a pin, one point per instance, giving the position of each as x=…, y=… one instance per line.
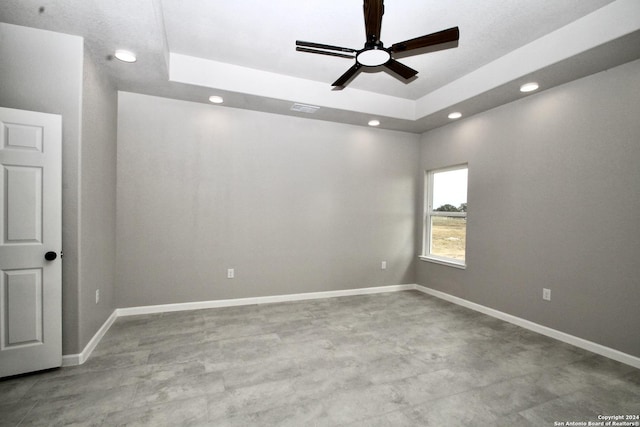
x=373, y=11
x=440, y=39
x=347, y=76
x=324, y=52
x=400, y=69
x=324, y=46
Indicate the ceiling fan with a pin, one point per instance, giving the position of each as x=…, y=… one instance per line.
x=374, y=54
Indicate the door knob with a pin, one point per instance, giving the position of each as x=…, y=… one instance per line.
x=50, y=256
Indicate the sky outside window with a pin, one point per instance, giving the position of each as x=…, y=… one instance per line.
x=450, y=187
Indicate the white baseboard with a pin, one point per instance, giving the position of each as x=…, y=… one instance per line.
x=164, y=308
x=79, y=359
x=535, y=327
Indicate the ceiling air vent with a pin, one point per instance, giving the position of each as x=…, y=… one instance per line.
x=304, y=108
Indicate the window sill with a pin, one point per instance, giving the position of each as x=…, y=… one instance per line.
x=447, y=262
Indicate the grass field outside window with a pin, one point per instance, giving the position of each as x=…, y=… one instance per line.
x=448, y=237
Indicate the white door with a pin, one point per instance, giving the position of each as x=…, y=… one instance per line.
x=31, y=228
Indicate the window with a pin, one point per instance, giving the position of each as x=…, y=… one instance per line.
x=445, y=222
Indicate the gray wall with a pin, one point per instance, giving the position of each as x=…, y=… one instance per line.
x=97, y=200
x=50, y=72
x=554, y=202
x=42, y=71
x=294, y=205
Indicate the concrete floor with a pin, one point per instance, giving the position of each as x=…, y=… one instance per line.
x=396, y=359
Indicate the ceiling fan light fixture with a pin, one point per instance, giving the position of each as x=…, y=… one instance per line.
x=374, y=122
x=373, y=57
x=529, y=87
x=374, y=54
x=125, y=56
x=455, y=115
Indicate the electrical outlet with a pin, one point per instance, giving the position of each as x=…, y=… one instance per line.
x=231, y=273
x=383, y=266
x=97, y=296
x=546, y=294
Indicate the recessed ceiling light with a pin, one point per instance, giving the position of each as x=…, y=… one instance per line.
x=529, y=87
x=125, y=56
x=455, y=115
x=374, y=122
x=216, y=99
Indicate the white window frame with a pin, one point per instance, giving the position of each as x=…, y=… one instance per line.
x=429, y=212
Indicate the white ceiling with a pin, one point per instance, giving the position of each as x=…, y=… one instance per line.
x=245, y=50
